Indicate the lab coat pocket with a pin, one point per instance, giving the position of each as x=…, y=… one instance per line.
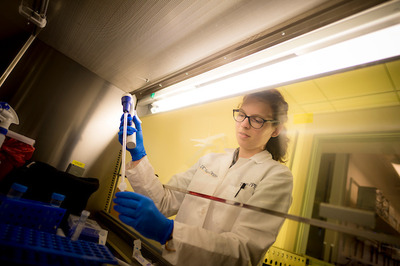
x=245, y=194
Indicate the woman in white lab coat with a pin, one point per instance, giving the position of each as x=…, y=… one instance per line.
x=207, y=232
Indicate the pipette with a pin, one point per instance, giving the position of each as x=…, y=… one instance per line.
x=126, y=107
x=131, y=139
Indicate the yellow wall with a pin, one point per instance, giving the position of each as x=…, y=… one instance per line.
x=168, y=136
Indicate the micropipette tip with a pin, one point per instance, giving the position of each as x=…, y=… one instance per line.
x=122, y=185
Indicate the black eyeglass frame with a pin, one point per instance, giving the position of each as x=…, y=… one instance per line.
x=249, y=117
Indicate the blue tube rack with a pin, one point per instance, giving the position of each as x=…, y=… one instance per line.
x=32, y=214
x=27, y=237
x=25, y=246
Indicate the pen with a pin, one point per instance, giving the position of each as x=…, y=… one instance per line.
x=241, y=187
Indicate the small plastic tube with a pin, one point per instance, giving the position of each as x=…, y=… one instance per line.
x=16, y=191
x=56, y=199
x=79, y=227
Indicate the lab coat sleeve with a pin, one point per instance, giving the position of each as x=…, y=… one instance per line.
x=251, y=236
x=144, y=181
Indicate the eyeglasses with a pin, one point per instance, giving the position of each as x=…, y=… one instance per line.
x=254, y=121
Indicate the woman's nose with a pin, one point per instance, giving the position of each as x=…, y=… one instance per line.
x=245, y=123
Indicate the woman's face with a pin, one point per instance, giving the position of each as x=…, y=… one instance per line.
x=251, y=140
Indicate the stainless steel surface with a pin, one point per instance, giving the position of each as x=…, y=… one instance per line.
x=70, y=112
x=129, y=42
x=16, y=59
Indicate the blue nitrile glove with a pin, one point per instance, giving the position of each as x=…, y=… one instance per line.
x=141, y=213
x=138, y=152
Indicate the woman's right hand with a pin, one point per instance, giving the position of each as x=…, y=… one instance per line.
x=138, y=152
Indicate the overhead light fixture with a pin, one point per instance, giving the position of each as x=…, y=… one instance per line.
x=370, y=36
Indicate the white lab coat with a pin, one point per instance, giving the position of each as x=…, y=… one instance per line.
x=213, y=233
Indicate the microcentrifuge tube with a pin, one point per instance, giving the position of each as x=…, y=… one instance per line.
x=56, y=199
x=79, y=227
x=16, y=191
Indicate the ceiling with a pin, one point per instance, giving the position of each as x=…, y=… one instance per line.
x=368, y=87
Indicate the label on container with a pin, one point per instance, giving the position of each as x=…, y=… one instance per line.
x=75, y=162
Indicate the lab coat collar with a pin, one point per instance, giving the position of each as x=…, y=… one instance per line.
x=258, y=158
x=261, y=157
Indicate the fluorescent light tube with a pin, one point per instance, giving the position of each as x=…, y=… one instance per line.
x=365, y=49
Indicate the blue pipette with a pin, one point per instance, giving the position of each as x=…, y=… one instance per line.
x=126, y=108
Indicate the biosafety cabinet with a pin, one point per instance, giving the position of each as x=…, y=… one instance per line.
x=187, y=64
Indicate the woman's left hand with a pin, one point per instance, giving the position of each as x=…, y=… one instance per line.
x=141, y=213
